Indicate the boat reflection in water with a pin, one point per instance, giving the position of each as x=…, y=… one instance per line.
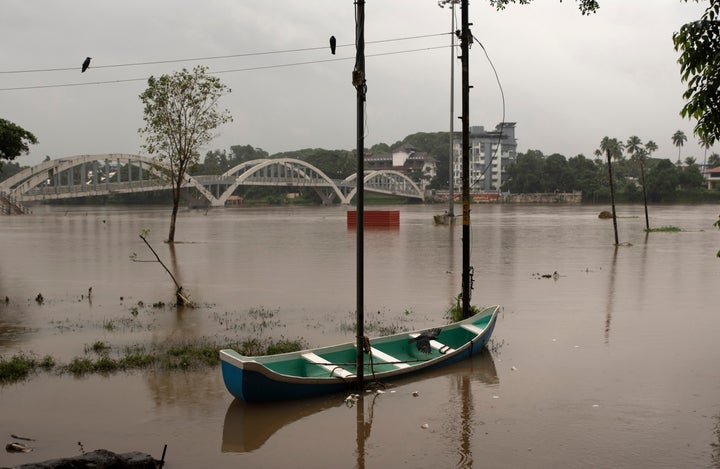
x=248, y=426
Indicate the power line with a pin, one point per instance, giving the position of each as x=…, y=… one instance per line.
x=215, y=57
x=247, y=69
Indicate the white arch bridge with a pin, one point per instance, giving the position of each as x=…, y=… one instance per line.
x=92, y=175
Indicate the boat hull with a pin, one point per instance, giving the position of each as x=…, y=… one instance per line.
x=332, y=369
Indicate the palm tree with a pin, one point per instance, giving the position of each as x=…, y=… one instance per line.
x=640, y=155
x=612, y=149
x=634, y=147
x=706, y=144
x=650, y=147
x=633, y=144
x=679, y=140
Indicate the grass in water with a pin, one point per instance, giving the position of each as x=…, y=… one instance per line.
x=181, y=356
x=664, y=229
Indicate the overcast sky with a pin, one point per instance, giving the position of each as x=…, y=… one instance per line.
x=569, y=80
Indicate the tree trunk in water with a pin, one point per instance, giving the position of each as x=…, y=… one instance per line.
x=612, y=197
x=173, y=215
x=642, y=173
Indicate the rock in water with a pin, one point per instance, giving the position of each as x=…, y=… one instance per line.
x=97, y=459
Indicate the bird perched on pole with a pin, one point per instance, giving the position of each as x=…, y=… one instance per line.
x=332, y=45
x=422, y=341
x=85, y=64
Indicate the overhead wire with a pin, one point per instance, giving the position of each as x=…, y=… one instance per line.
x=217, y=57
x=502, y=122
x=246, y=69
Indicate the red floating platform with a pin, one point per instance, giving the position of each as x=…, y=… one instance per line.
x=381, y=218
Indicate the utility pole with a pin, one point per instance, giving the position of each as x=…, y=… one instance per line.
x=358, y=79
x=465, y=38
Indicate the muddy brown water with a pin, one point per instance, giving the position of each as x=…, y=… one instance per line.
x=616, y=363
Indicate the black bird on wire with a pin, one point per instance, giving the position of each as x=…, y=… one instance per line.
x=332, y=45
x=85, y=64
x=422, y=341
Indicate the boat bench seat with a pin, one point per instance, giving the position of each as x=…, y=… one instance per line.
x=322, y=363
x=474, y=329
x=440, y=347
x=388, y=358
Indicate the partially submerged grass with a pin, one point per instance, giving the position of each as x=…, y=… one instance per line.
x=664, y=229
x=455, y=312
x=179, y=356
x=21, y=365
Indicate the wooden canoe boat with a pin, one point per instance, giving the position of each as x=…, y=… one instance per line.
x=332, y=369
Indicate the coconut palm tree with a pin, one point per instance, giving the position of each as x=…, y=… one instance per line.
x=612, y=148
x=679, y=140
x=635, y=148
x=633, y=145
x=705, y=143
x=640, y=155
x=650, y=146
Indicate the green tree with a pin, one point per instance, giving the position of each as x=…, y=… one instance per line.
x=714, y=160
x=586, y=6
x=525, y=175
x=679, y=140
x=662, y=181
x=633, y=144
x=14, y=140
x=690, y=177
x=612, y=148
x=705, y=144
x=180, y=114
x=242, y=153
x=585, y=175
x=699, y=45
x=651, y=147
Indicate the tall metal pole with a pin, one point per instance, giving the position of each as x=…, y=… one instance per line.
x=359, y=84
x=451, y=207
x=465, y=48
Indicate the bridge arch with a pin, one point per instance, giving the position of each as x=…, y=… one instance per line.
x=101, y=174
x=385, y=181
x=280, y=172
x=93, y=181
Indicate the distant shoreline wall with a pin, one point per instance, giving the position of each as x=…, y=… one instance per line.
x=496, y=198
x=543, y=198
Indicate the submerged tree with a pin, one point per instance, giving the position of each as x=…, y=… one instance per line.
x=181, y=112
x=635, y=148
x=612, y=148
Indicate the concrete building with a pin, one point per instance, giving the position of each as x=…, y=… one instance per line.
x=490, y=154
x=407, y=160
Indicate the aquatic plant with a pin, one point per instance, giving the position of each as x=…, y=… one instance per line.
x=664, y=229
x=455, y=312
x=16, y=368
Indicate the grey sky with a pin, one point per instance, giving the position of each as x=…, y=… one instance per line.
x=569, y=80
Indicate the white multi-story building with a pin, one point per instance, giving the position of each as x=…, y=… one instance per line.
x=490, y=153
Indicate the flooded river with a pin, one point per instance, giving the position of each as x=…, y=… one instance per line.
x=615, y=363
